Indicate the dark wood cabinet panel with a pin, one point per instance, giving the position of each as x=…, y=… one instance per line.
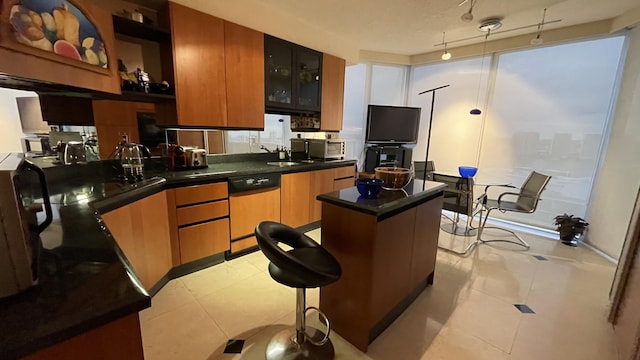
x=119, y=339
x=202, y=240
x=199, y=67
x=333, y=69
x=114, y=119
x=66, y=110
x=244, y=68
x=321, y=183
x=294, y=190
x=142, y=231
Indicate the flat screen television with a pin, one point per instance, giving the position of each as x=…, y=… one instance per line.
x=392, y=124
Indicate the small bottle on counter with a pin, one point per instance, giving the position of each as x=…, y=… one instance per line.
x=281, y=153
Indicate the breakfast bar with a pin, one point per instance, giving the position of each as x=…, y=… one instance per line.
x=386, y=247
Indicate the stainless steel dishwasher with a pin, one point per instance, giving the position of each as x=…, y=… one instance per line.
x=252, y=199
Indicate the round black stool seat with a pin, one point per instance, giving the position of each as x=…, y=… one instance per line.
x=307, y=265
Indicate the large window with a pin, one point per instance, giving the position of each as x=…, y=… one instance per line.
x=544, y=109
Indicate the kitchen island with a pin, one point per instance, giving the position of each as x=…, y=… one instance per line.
x=386, y=247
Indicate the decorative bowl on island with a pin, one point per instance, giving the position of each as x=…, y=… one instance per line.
x=368, y=187
x=467, y=171
x=394, y=178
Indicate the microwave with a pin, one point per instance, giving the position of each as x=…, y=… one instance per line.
x=328, y=149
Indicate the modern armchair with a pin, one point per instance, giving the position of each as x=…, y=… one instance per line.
x=458, y=198
x=419, y=170
x=524, y=201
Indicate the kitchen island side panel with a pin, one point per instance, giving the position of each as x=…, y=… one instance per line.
x=347, y=302
x=386, y=262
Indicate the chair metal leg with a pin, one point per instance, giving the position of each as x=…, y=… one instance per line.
x=304, y=342
x=482, y=226
x=453, y=229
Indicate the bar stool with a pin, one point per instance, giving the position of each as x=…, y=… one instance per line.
x=307, y=265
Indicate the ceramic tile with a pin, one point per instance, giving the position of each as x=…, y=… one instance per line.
x=258, y=260
x=217, y=277
x=468, y=313
x=246, y=307
x=174, y=294
x=478, y=316
x=186, y=332
x=563, y=337
x=452, y=343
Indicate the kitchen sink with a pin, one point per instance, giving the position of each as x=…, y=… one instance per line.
x=283, y=163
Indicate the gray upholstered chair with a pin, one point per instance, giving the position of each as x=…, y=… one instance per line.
x=523, y=201
x=458, y=198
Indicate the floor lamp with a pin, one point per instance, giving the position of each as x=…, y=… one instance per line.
x=433, y=101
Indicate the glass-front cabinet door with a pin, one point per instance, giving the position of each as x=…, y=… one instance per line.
x=279, y=70
x=292, y=77
x=308, y=65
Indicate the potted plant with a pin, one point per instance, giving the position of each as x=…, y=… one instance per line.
x=570, y=228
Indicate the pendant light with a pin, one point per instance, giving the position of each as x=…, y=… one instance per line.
x=538, y=39
x=476, y=110
x=468, y=16
x=445, y=55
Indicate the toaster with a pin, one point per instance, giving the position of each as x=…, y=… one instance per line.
x=196, y=158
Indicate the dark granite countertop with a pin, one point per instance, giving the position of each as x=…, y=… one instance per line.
x=85, y=281
x=388, y=202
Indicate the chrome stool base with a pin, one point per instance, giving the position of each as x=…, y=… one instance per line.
x=283, y=346
x=458, y=230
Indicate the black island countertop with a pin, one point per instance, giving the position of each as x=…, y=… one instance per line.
x=85, y=280
x=388, y=202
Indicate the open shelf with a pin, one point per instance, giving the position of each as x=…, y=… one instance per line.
x=139, y=30
x=136, y=96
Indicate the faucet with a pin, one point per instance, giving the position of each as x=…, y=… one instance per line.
x=262, y=147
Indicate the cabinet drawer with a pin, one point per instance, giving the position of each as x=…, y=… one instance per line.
x=203, y=240
x=201, y=193
x=243, y=244
x=196, y=213
x=343, y=184
x=343, y=172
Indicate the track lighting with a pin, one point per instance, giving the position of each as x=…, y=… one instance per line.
x=468, y=16
x=445, y=55
x=538, y=39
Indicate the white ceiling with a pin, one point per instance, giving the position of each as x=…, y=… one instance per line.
x=404, y=27
x=410, y=27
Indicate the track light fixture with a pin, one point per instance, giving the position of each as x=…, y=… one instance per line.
x=538, y=39
x=468, y=16
x=445, y=55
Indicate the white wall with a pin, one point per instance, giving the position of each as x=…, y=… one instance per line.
x=10, y=128
x=616, y=188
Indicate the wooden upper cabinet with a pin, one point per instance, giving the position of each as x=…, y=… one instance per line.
x=244, y=66
x=37, y=60
x=113, y=119
x=332, y=93
x=199, y=67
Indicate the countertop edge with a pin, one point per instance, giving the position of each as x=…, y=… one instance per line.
x=387, y=212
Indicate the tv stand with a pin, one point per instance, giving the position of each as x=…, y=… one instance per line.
x=387, y=155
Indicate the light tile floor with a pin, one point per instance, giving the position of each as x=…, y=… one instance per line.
x=467, y=314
